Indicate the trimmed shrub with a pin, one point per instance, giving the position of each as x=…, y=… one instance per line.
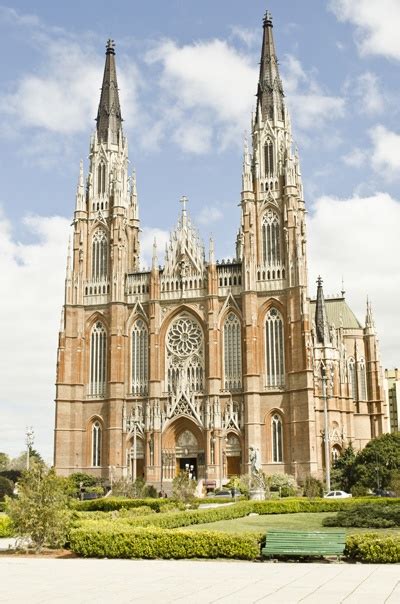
x=366, y=516
x=6, y=527
x=124, y=542
x=108, y=504
x=373, y=548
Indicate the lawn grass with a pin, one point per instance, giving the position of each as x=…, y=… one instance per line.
x=301, y=522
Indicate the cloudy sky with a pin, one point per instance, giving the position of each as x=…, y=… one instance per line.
x=187, y=75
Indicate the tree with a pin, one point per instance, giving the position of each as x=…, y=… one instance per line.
x=6, y=487
x=344, y=473
x=378, y=461
x=312, y=487
x=40, y=513
x=4, y=461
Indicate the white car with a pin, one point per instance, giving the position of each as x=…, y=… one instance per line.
x=336, y=495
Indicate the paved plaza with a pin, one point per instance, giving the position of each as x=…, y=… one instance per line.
x=50, y=581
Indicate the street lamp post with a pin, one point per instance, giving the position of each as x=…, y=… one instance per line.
x=326, y=433
x=29, y=440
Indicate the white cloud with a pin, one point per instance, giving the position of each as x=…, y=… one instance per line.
x=211, y=87
x=209, y=214
x=355, y=158
x=370, y=100
x=312, y=107
x=63, y=98
x=31, y=300
x=358, y=239
x=377, y=24
x=249, y=37
x=385, y=158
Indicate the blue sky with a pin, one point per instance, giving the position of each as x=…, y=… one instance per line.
x=188, y=74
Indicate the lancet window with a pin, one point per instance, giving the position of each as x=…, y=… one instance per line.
x=185, y=357
x=275, y=349
x=271, y=245
x=363, y=381
x=101, y=179
x=98, y=360
x=232, y=353
x=96, y=444
x=99, y=255
x=353, y=379
x=140, y=357
x=277, y=439
x=269, y=158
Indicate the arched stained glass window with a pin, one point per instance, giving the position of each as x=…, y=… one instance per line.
x=232, y=352
x=98, y=360
x=271, y=244
x=140, y=360
x=277, y=439
x=269, y=158
x=96, y=444
x=275, y=349
x=99, y=255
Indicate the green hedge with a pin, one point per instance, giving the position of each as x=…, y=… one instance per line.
x=2, y=506
x=373, y=548
x=125, y=542
x=6, y=527
x=239, y=510
x=108, y=504
x=366, y=516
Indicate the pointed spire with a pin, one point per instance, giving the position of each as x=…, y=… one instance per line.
x=80, y=191
x=270, y=90
x=211, y=251
x=109, y=118
x=247, y=180
x=369, y=319
x=321, y=321
x=155, y=256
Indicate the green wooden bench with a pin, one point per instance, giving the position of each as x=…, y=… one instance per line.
x=303, y=543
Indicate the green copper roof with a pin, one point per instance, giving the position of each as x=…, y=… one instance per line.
x=338, y=313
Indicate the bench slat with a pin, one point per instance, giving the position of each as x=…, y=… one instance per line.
x=304, y=543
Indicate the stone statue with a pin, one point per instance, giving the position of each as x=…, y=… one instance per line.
x=254, y=457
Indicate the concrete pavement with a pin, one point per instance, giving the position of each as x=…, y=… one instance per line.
x=76, y=581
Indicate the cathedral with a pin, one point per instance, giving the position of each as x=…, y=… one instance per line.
x=198, y=363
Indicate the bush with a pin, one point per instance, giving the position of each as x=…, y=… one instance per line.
x=183, y=487
x=125, y=542
x=373, y=548
x=6, y=527
x=13, y=475
x=312, y=487
x=108, y=504
x=366, y=516
x=6, y=487
x=359, y=490
x=39, y=513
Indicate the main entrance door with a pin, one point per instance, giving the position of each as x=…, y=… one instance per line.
x=189, y=465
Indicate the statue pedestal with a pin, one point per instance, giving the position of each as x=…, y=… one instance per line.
x=257, y=494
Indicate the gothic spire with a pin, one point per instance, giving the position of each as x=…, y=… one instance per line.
x=321, y=321
x=369, y=319
x=270, y=90
x=109, y=118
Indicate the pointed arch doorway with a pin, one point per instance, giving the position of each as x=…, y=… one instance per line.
x=183, y=450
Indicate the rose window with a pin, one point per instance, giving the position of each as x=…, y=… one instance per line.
x=184, y=337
